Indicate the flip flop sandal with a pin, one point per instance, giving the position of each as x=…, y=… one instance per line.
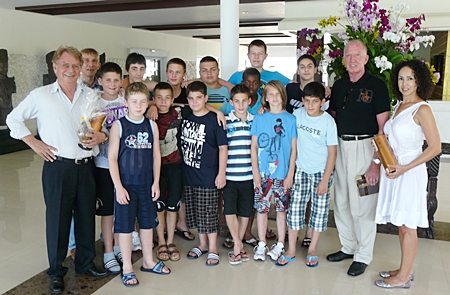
x=128, y=277
x=270, y=235
x=245, y=256
x=252, y=242
x=306, y=242
x=228, y=243
x=212, y=256
x=182, y=234
x=312, y=258
x=171, y=252
x=197, y=251
x=158, y=269
x=159, y=252
x=284, y=258
x=232, y=258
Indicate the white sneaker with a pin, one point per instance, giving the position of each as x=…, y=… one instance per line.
x=136, y=242
x=276, y=251
x=260, y=251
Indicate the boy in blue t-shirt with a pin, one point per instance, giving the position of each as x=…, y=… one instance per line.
x=317, y=150
x=204, y=151
x=274, y=146
x=134, y=139
x=257, y=54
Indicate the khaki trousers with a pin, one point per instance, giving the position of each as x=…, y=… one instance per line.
x=354, y=215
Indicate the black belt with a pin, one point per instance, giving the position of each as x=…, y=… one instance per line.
x=75, y=161
x=355, y=137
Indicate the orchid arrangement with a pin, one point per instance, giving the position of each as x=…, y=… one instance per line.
x=389, y=38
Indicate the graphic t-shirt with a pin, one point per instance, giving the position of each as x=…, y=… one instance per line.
x=169, y=127
x=115, y=109
x=274, y=134
x=315, y=134
x=135, y=158
x=200, y=141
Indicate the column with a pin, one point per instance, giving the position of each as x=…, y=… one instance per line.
x=229, y=37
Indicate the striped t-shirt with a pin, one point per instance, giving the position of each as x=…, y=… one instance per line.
x=217, y=97
x=239, y=164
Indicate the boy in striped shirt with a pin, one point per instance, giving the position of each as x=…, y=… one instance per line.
x=238, y=192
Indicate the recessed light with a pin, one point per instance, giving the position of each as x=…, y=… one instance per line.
x=245, y=12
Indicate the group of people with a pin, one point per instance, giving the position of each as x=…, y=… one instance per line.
x=227, y=148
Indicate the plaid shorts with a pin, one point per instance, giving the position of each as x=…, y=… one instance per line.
x=305, y=188
x=271, y=187
x=202, y=208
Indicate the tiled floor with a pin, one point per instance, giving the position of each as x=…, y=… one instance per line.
x=23, y=256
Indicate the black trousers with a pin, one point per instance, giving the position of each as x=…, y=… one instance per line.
x=69, y=187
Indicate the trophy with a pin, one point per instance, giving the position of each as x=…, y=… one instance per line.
x=385, y=152
x=92, y=119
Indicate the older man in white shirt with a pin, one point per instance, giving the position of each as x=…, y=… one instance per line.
x=68, y=173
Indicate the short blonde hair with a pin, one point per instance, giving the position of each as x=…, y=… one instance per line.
x=70, y=50
x=136, y=88
x=280, y=88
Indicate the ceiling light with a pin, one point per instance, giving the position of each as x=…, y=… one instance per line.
x=245, y=12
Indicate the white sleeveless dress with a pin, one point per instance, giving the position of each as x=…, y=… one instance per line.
x=403, y=201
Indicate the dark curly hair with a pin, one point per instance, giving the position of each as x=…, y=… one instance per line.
x=421, y=74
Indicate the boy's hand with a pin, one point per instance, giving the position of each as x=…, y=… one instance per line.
x=152, y=113
x=122, y=196
x=155, y=191
x=220, y=180
x=257, y=181
x=261, y=110
x=221, y=120
x=288, y=182
x=322, y=188
x=95, y=137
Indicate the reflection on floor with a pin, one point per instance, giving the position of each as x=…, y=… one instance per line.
x=23, y=257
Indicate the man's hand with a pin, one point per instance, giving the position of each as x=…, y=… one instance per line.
x=95, y=138
x=122, y=196
x=373, y=174
x=41, y=148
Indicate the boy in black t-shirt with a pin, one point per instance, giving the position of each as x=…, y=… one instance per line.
x=204, y=146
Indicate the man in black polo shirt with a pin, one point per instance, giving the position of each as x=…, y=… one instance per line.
x=360, y=104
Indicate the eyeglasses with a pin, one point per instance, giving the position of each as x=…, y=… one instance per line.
x=66, y=66
x=346, y=98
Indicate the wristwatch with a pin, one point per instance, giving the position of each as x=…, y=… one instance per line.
x=376, y=161
x=106, y=138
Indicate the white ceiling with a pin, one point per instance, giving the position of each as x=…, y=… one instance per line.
x=187, y=15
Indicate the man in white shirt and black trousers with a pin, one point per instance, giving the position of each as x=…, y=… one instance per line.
x=68, y=174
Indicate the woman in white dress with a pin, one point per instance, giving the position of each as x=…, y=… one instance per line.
x=402, y=197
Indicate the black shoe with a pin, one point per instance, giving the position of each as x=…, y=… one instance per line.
x=96, y=272
x=56, y=285
x=356, y=269
x=339, y=256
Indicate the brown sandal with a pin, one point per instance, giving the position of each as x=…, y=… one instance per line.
x=171, y=252
x=160, y=252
